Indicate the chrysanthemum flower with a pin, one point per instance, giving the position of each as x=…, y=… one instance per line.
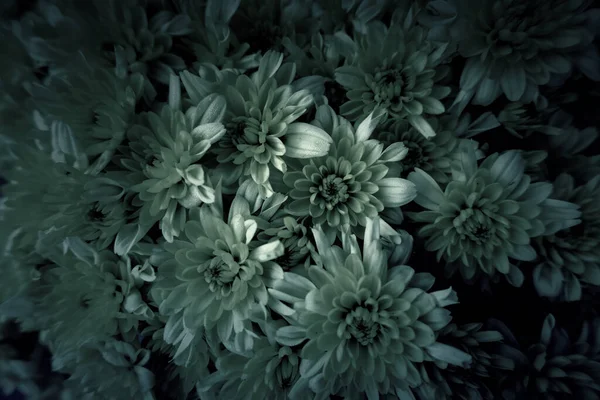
x=351, y=183
x=355, y=15
x=78, y=302
x=269, y=370
x=211, y=40
x=487, y=214
x=364, y=327
x=571, y=257
x=555, y=367
x=258, y=122
x=263, y=25
x=214, y=280
x=111, y=370
x=513, y=47
x=322, y=56
x=187, y=367
x=144, y=41
x=38, y=192
x=433, y=155
x=46, y=29
x=97, y=104
x=169, y=149
x=442, y=381
x=521, y=120
x=396, y=70
x=295, y=238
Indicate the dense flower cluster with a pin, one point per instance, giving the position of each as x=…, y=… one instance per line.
x=240, y=199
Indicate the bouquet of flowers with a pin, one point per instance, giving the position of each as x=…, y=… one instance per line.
x=299, y=199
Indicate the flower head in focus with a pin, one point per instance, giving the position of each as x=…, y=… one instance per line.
x=363, y=327
x=433, y=155
x=352, y=182
x=261, y=109
x=269, y=370
x=167, y=150
x=216, y=278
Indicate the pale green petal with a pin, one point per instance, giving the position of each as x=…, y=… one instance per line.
x=396, y=192
x=306, y=141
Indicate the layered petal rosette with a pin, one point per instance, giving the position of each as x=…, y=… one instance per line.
x=487, y=215
x=397, y=70
x=363, y=327
x=444, y=381
x=513, y=47
x=79, y=300
x=261, y=109
x=570, y=258
x=112, y=370
x=96, y=102
x=165, y=151
x=555, y=366
x=142, y=38
x=215, y=277
x=433, y=155
x=352, y=182
x=269, y=370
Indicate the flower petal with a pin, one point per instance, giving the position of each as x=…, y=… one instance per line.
x=513, y=82
x=396, y=192
x=429, y=194
x=368, y=125
x=421, y=125
x=306, y=141
x=268, y=251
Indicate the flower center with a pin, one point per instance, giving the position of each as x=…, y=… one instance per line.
x=474, y=225
x=336, y=94
x=334, y=190
x=218, y=274
x=95, y=215
x=264, y=36
x=235, y=131
x=414, y=157
x=286, y=373
x=84, y=303
x=363, y=325
x=388, y=85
